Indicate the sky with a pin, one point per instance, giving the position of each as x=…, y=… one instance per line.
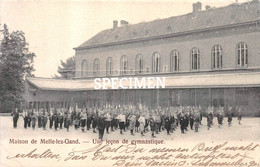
x=53, y=27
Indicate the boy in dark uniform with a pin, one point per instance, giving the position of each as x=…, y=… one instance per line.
x=15, y=115
x=152, y=125
x=61, y=119
x=39, y=115
x=56, y=119
x=197, y=120
x=67, y=120
x=51, y=118
x=29, y=118
x=239, y=115
x=44, y=120
x=168, y=123
x=192, y=119
x=25, y=118
x=229, y=115
x=101, y=126
x=34, y=119
x=95, y=121
x=182, y=122
x=89, y=119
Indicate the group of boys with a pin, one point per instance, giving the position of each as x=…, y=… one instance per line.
x=133, y=118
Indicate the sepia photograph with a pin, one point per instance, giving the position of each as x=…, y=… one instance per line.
x=130, y=83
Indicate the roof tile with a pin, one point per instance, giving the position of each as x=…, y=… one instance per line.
x=213, y=17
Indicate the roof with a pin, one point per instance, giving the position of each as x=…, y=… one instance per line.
x=210, y=18
x=251, y=79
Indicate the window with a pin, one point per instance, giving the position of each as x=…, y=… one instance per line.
x=156, y=62
x=96, y=67
x=123, y=65
x=216, y=57
x=138, y=64
x=195, y=59
x=242, y=54
x=165, y=68
x=84, y=68
x=109, y=66
x=175, y=98
x=147, y=69
x=174, y=61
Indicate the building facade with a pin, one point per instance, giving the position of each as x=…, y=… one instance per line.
x=215, y=44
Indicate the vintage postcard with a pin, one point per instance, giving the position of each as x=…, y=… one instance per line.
x=130, y=83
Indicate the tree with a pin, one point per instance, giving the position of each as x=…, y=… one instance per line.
x=67, y=69
x=16, y=62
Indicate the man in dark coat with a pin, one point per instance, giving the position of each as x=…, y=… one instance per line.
x=15, y=115
x=101, y=126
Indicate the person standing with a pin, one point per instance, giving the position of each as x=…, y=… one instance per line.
x=29, y=119
x=25, y=118
x=44, y=120
x=192, y=118
x=141, y=121
x=56, y=120
x=83, y=119
x=61, y=118
x=121, y=119
x=239, y=114
x=51, y=118
x=107, y=121
x=209, y=119
x=39, y=115
x=168, y=123
x=34, y=119
x=182, y=122
x=101, y=126
x=89, y=119
x=197, y=120
x=219, y=117
x=137, y=123
x=132, y=120
x=146, y=121
x=152, y=124
x=230, y=116
x=95, y=121
x=15, y=115
x=67, y=120
x=158, y=122
x=113, y=121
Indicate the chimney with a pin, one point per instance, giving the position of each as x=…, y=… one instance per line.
x=115, y=22
x=207, y=7
x=123, y=22
x=196, y=7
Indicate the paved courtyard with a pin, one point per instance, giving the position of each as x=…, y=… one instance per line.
x=246, y=133
x=248, y=130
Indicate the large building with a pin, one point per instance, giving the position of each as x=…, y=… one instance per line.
x=209, y=57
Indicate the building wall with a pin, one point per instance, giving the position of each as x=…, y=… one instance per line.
x=249, y=102
x=46, y=98
x=227, y=38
